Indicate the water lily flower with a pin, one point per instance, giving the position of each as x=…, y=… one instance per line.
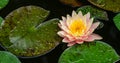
x=78, y=28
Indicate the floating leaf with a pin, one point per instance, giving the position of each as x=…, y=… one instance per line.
x=3, y=3
x=1, y=19
x=97, y=13
x=111, y=5
x=7, y=57
x=96, y=52
x=117, y=21
x=73, y=3
x=24, y=34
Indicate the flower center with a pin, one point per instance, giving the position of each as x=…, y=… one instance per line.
x=77, y=28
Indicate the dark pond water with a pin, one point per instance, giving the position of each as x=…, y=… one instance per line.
x=109, y=32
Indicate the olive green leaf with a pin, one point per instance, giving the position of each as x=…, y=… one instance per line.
x=95, y=12
x=3, y=3
x=7, y=57
x=25, y=34
x=73, y=3
x=1, y=20
x=96, y=52
x=111, y=5
x=116, y=20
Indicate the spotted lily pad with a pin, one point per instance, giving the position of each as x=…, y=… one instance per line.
x=96, y=52
x=111, y=5
x=25, y=34
x=3, y=3
x=95, y=12
x=117, y=21
x=7, y=57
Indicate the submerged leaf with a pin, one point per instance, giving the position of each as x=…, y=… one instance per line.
x=97, y=52
x=7, y=57
x=96, y=13
x=24, y=34
x=73, y=3
x=3, y=3
x=117, y=21
x=111, y=5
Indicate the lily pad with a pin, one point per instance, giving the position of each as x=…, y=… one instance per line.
x=3, y=3
x=7, y=57
x=25, y=34
x=111, y=5
x=1, y=19
x=96, y=52
x=95, y=12
x=117, y=21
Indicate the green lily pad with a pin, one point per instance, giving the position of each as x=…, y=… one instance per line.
x=7, y=57
x=3, y=3
x=95, y=12
x=117, y=21
x=1, y=19
x=25, y=34
x=111, y=5
x=96, y=52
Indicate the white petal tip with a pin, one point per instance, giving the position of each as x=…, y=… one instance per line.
x=79, y=42
x=63, y=18
x=80, y=13
x=70, y=44
x=99, y=38
x=65, y=40
x=74, y=13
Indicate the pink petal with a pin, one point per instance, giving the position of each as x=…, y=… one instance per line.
x=66, y=35
x=63, y=18
x=89, y=23
x=69, y=20
x=88, y=20
x=93, y=37
x=88, y=16
x=71, y=44
x=61, y=33
x=63, y=23
x=68, y=16
x=66, y=40
x=81, y=37
x=84, y=37
x=92, y=28
x=79, y=41
x=63, y=26
x=73, y=13
x=80, y=14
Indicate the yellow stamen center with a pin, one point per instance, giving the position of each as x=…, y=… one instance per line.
x=77, y=27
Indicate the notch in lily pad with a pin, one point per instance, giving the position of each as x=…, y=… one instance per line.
x=7, y=57
x=26, y=35
x=96, y=52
